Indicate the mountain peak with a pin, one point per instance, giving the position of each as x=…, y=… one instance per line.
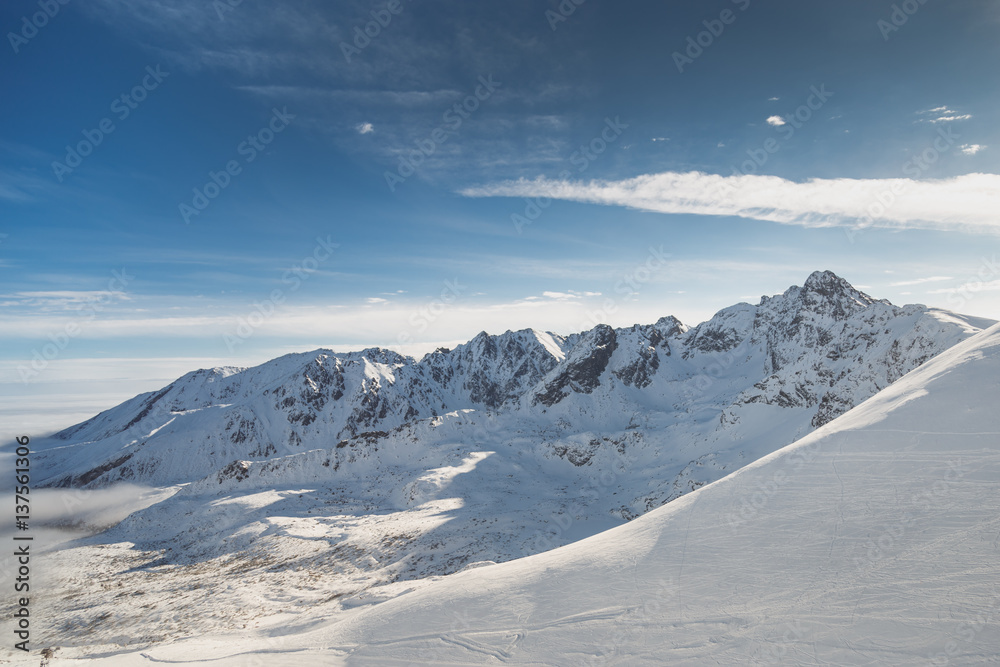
x=827, y=281
x=804, y=341
x=825, y=291
x=670, y=326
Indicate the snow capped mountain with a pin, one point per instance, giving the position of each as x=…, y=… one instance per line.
x=494, y=371
x=376, y=469
x=821, y=348
x=872, y=540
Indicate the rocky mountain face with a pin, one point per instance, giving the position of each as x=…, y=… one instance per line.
x=368, y=468
x=816, y=350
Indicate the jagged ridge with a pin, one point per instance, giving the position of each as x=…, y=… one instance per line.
x=816, y=350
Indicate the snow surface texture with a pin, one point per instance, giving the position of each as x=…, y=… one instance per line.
x=799, y=360
x=874, y=540
x=317, y=485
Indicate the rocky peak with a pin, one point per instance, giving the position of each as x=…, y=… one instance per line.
x=482, y=344
x=819, y=349
x=581, y=370
x=493, y=370
x=379, y=355
x=670, y=326
x=827, y=282
x=807, y=317
x=826, y=293
x=725, y=331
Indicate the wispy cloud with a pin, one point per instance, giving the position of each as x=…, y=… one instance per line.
x=365, y=128
x=563, y=296
x=775, y=121
x=352, y=322
x=23, y=186
x=971, y=149
x=950, y=119
x=196, y=34
x=268, y=41
x=920, y=281
x=60, y=299
x=942, y=115
x=359, y=96
x=967, y=202
x=991, y=286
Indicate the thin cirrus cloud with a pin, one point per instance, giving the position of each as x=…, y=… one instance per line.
x=379, y=98
x=62, y=299
x=334, y=324
x=942, y=115
x=972, y=287
x=962, y=203
x=950, y=118
x=920, y=281
x=562, y=296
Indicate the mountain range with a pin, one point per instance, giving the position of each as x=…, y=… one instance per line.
x=324, y=481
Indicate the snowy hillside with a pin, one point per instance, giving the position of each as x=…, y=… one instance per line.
x=325, y=482
x=874, y=540
x=800, y=358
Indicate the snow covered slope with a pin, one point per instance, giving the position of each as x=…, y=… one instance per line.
x=700, y=399
x=874, y=540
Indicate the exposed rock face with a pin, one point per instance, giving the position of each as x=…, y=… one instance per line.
x=582, y=369
x=814, y=351
x=645, y=345
x=367, y=468
x=829, y=346
x=492, y=371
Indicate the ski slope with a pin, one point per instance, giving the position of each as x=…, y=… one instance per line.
x=874, y=540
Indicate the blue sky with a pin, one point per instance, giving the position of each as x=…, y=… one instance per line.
x=185, y=184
